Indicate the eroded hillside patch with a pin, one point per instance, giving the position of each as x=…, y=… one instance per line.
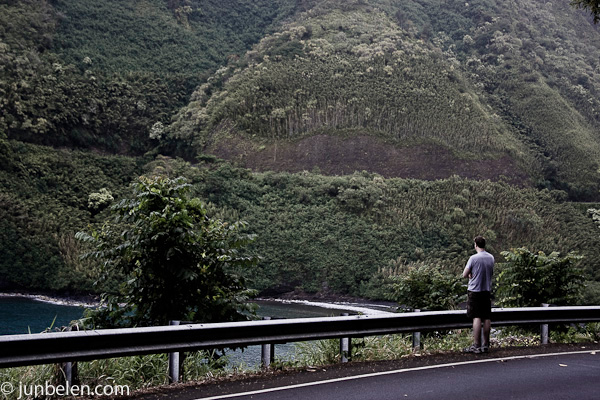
x=336, y=155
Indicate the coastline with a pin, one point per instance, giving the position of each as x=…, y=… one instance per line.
x=342, y=303
x=327, y=299
x=320, y=299
x=80, y=301
x=365, y=308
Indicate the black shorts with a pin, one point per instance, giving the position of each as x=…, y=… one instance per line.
x=479, y=305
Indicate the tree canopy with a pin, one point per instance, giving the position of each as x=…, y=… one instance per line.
x=176, y=263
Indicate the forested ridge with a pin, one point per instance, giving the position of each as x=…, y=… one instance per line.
x=483, y=79
x=100, y=74
x=93, y=94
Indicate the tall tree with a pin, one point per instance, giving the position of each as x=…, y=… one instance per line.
x=176, y=262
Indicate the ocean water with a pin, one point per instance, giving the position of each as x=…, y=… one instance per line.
x=19, y=315
x=22, y=315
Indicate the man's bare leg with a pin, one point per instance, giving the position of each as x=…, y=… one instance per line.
x=487, y=326
x=477, y=332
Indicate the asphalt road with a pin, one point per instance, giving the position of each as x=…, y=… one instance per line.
x=550, y=372
x=548, y=377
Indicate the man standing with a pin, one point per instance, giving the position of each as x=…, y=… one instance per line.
x=479, y=270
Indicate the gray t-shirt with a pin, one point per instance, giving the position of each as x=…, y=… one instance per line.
x=481, y=266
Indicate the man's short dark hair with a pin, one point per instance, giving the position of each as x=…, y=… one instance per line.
x=480, y=242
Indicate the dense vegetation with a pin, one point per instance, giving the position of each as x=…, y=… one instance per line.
x=162, y=37
x=483, y=80
x=591, y=5
x=175, y=262
x=348, y=234
x=102, y=74
x=529, y=279
x=521, y=279
x=44, y=197
x=315, y=233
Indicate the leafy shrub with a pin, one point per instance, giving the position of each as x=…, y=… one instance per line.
x=423, y=286
x=529, y=279
x=178, y=263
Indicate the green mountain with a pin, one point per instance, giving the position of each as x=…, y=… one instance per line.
x=463, y=118
x=421, y=89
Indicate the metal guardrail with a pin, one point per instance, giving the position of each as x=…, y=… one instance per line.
x=49, y=348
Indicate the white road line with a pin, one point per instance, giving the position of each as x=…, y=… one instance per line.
x=398, y=371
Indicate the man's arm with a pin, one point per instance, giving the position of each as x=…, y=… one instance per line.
x=467, y=271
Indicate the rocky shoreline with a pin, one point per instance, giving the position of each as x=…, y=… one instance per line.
x=327, y=297
x=325, y=300
x=88, y=301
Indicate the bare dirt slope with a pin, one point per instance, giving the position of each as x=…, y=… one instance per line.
x=334, y=155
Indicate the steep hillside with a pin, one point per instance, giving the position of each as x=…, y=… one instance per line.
x=46, y=195
x=506, y=88
x=449, y=92
x=315, y=233
x=162, y=37
x=340, y=234
x=103, y=74
x=511, y=82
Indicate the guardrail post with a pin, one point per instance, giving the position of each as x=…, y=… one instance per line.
x=345, y=346
x=174, y=366
x=544, y=329
x=416, y=337
x=69, y=369
x=267, y=351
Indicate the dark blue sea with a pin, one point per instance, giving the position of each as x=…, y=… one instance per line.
x=22, y=315
x=19, y=315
